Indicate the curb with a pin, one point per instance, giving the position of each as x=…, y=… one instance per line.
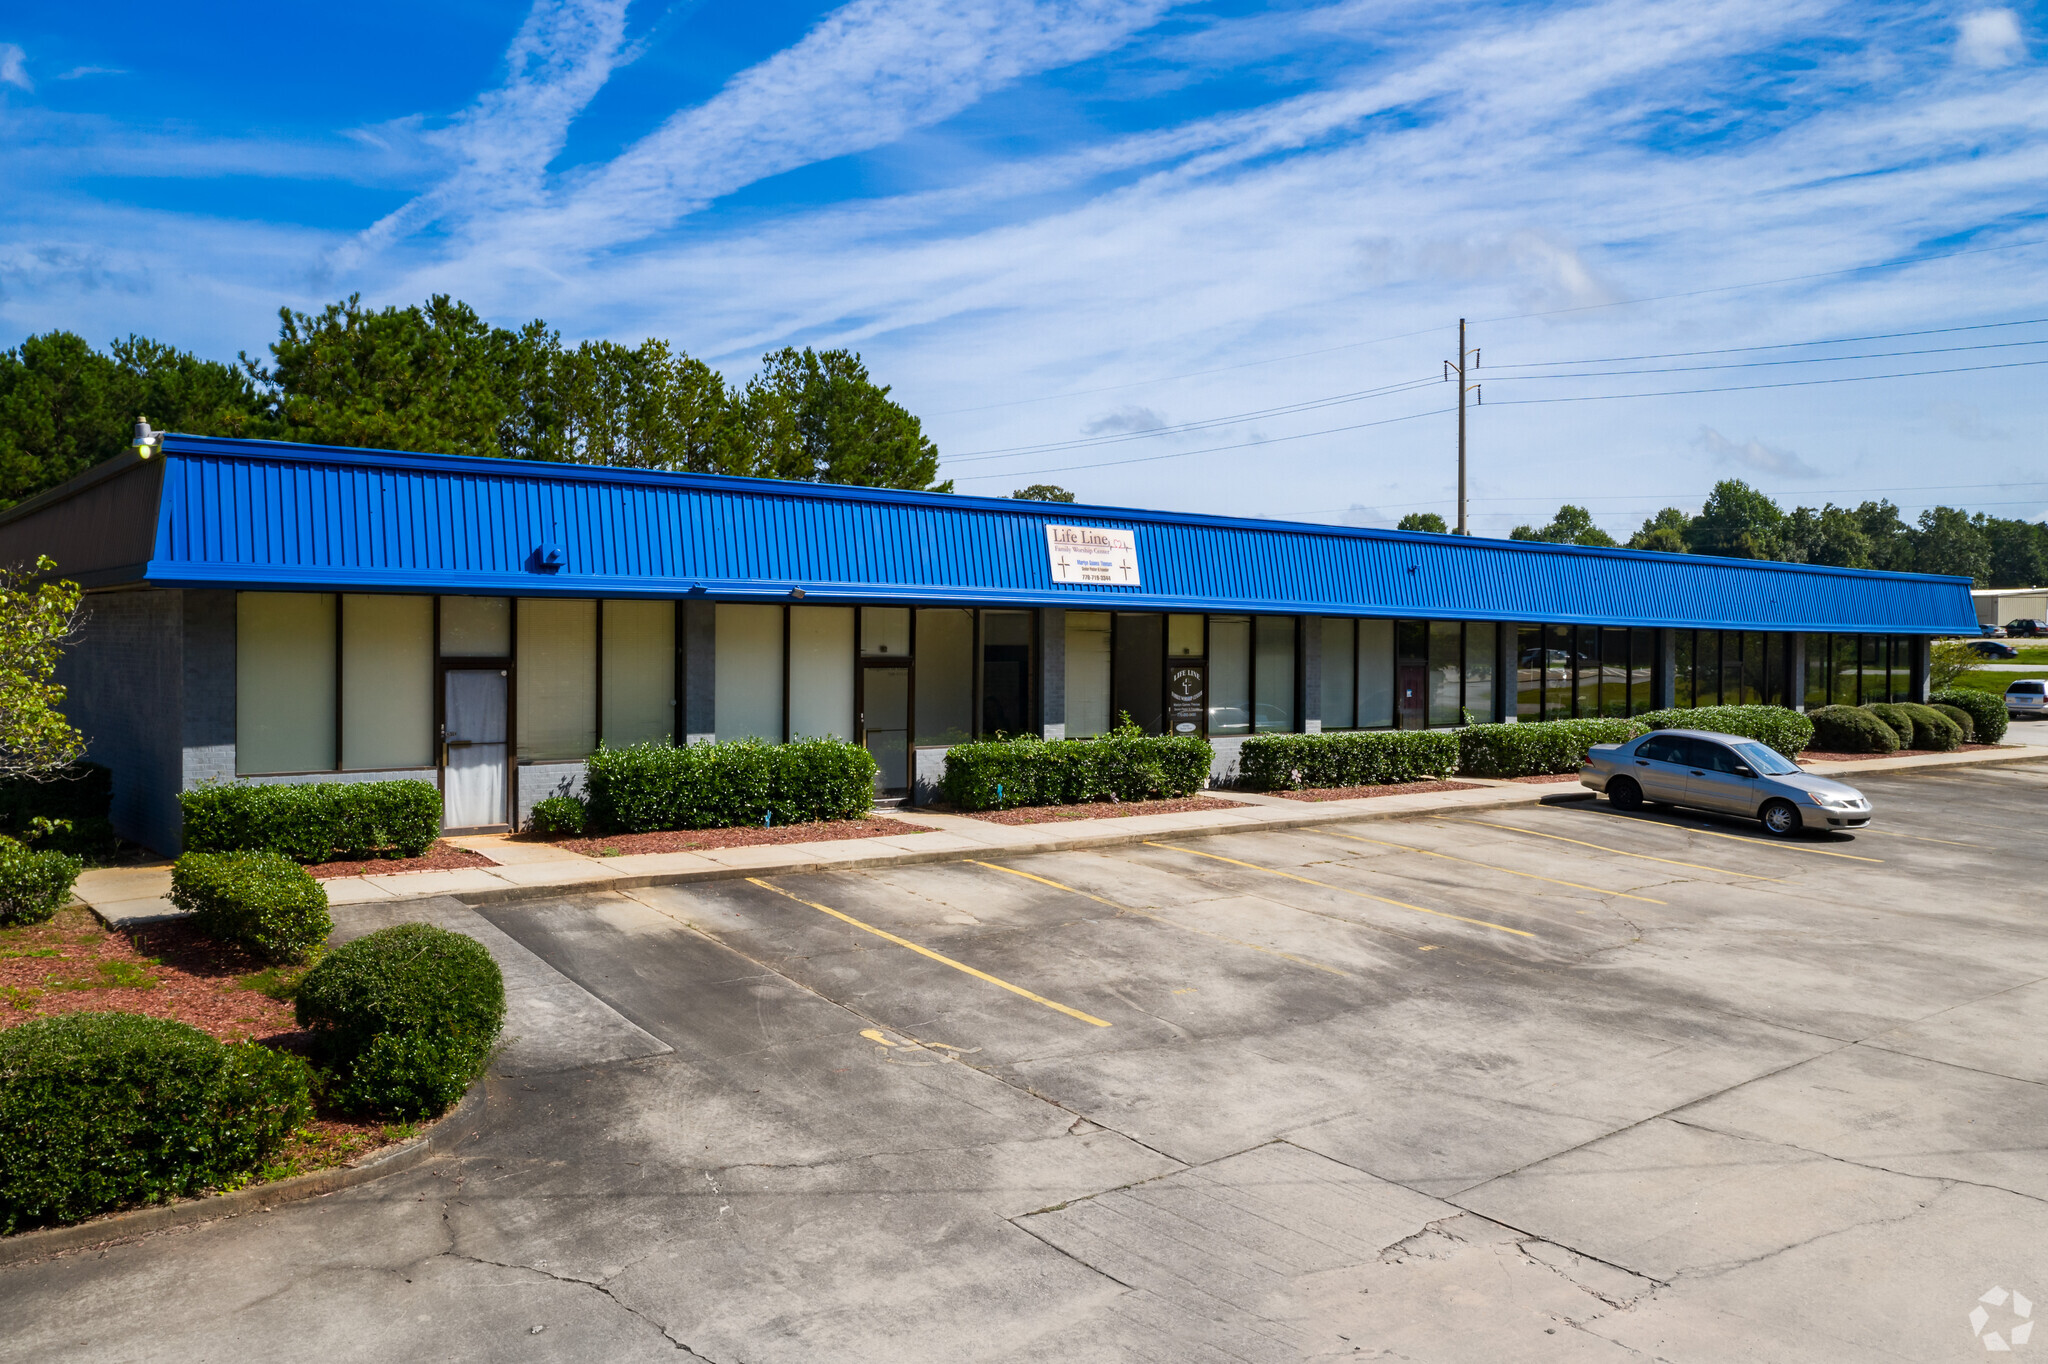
x=461, y=1123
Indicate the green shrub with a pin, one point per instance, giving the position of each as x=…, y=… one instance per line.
x=1851, y=729
x=34, y=885
x=1781, y=728
x=404, y=1018
x=1124, y=764
x=1285, y=762
x=1932, y=730
x=1894, y=718
x=259, y=901
x=557, y=815
x=100, y=1110
x=655, y=786
x=1538, y=748
x=71, y=806
x=314, y=821
x=1986, y=710
x=1962, y=720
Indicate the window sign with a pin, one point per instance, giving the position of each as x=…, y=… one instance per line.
x=1090, y=554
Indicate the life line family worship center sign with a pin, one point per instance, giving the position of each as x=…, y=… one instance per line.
x=1090, y=554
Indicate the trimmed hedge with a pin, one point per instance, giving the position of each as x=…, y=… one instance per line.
x=1932, y=730
x=1962, y=719
x=34, y=885
x=1287, y=762
x=1851, y=729
x=75, y=800
x=1124, y=764
x=100, y=1110
x=1894, y=718
x=1986, y=710
x=314, y=821
x=557, y=815
x=404, y=1018
x=1781, y=728
x=656, y=786
x=259, y=901
x=1538, y=748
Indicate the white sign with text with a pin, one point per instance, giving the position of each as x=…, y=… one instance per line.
x=1089, y=554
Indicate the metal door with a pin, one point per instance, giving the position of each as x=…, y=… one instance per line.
x=473, y=749
x=885, y=723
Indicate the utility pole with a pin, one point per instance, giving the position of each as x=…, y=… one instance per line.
x=1456, y=370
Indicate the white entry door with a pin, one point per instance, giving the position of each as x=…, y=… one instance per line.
x=473, y=749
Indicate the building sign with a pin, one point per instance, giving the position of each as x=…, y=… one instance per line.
x=1187, y=696
x=1089, y=554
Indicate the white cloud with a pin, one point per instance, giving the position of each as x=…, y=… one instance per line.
x=1124, y=419
x=1990, y=38
x=1753, y=455
x=14, y=67
x=80, y=72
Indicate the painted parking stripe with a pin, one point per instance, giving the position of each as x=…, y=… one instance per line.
x=1601, y=847
x=1426, y=852
x=935, y=956
x=1161, y=918
x=1919, y=838
x=1738, y=838
x=1346, y=890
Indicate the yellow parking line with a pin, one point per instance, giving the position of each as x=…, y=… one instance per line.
x=1161, y=918
x=1425, y=852
x=1601, y=847
x=1919, y=838
x=935, y=956
x=1398, y=904
x=1744, y=838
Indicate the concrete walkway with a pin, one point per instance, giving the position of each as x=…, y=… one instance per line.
x=127, y=896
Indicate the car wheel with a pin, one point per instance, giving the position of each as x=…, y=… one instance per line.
x=1624, y=794
x=1781, y=818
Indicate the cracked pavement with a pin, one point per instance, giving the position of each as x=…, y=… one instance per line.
x=1781, y=1103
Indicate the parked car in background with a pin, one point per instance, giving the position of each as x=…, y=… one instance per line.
x=2027, y=699
x=2026, y=629
x=1991, y=631
x=1725, y=774
x=1993, y=648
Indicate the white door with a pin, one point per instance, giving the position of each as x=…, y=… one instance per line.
x=473, y=749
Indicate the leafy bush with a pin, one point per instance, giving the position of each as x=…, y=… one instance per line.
x=1124, y=764
x=260, y=901
x=34, y=885
x=1537, y=748
x=1895, y=719
x=404, y=1018
x=1785, y=730
x=1932, y=730
x=557, y=815
x=1986, y=710
x=1962, y=720
x=100, y=1110
x=66, y=811
x=655, y=786
x=1851, y=729
x=314, y=821
x=1285, y=762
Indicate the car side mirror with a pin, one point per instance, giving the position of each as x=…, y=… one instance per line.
x=1744, y=770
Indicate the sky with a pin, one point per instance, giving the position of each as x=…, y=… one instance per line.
x=1202, y=257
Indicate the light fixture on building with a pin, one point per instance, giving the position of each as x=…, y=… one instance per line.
x=797, y=592
x=146, y=442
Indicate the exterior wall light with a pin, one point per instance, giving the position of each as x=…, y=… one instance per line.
x=146, y=442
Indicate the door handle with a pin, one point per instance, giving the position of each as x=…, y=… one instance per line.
x=1641, y=763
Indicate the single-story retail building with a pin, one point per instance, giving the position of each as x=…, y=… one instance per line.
x=284, y=613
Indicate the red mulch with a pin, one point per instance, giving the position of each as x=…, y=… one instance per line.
x=744, y=836
x=1100, y=809
x=1399, y=788
x=443, y=856
x=1546, y=776
x=1813, y=755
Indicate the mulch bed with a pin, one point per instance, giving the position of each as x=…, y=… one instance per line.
x=1546, y=777
x=1099, y=809
x=747, y=836
x=1399, y=788
x=1811, y=755
x=443, y=856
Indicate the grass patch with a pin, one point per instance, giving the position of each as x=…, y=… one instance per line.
x=280, y=983
x=110, y=975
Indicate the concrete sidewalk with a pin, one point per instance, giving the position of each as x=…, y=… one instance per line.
x=126, y=896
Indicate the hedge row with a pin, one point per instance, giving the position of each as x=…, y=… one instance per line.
x=314, y=822
x=1027, y=770
x=262, y=902
x=656, y=786
x=34, y=885
x=1287, y=762
x=1986, y=711
x=1783, y=729
x=1851, y=729
x=1918, y=726
x=1539, y=748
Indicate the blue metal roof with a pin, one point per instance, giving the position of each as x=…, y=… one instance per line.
x=260, y=514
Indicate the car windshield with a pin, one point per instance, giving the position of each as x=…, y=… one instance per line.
x=1766, y=760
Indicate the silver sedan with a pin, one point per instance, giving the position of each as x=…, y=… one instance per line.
x=1723, y=773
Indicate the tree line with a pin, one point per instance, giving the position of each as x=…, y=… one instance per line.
x=1740, y=522
x=438, y=379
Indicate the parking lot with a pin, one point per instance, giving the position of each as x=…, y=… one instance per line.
x=1555, y=1083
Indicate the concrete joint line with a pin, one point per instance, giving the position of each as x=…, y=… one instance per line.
x=600, y=1286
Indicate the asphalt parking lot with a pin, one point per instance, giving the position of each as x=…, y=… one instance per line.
x=1559, y=1083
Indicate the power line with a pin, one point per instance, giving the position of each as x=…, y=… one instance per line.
x=1749, y=388
x=1766, y=364
x=1183, y=454
x=1783, y=345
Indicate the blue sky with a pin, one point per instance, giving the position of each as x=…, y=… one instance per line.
x=1203, y=256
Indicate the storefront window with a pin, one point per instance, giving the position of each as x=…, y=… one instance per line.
x=284, y=682
x=476, y=627
x=1230, y=674
x=942, y=690
x=1375, y=674
x=1005, y=672
x=1613, y=673
x=1586, y=666
x=1479, y=647
x=387, y=682
x=1642, y=671
x=1558, y=672
x=885, y=631
x=1088, y=673
x=1529, y=668
x=747, y=672
x=1819, y=662
x=1339, y=694
x=1184, y=636
x=1274, y=675
x=1140, y=669
x=1446, y=672
x=639, y=677
x=1902, y=666
x=821, y=665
